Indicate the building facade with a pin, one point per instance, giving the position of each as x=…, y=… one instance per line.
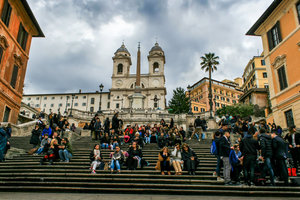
x=279, y=28
x=123, y=87
x=224, y=94
x=152, y=85
x=255, y=83
x=17, y=27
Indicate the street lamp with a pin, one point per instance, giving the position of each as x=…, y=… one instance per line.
x=189, y=88
x=155, y=101
x=101, y=86
x=73, y=96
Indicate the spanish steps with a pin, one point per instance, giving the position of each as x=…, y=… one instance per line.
x=24, y=174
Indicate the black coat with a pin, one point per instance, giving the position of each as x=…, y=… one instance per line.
x=115, y=122
x=249, y=146
x=280, y=148
x=224, y=147
x=132, y=153
x=288, y=137
x=35, y=136
x=266, y=145
x=186, y=155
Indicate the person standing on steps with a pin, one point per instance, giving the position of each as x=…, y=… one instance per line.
x=198, y=128
x=225, y=148
x=115, y=122
x=217, y=137
x=97, y=128
x=106, y=125
x=293, y=139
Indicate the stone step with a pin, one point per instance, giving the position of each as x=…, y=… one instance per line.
x=146, y=189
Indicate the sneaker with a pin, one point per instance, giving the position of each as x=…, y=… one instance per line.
x=214, y=174
x=93, y=172
x=219, y=179
x=199, y=140
x=190, y=138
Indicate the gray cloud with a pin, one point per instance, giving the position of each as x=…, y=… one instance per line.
x=81, y=37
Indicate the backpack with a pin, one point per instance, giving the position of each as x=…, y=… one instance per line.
x=213, y=148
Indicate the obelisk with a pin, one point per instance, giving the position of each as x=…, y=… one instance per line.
x=137, y=97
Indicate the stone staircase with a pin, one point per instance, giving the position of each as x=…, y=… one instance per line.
x=24, y=174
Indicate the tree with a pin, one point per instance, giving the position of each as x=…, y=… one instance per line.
x=242, y=110
x=209, y=64
x=179, y=102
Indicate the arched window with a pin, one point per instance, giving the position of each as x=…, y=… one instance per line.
x=143, y=86
x=120, y=68
x=155, y=67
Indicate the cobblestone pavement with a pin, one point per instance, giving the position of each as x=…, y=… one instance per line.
x=80, y=196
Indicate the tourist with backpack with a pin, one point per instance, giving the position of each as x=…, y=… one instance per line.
x=214, y=150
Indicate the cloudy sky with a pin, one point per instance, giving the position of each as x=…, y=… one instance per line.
x=82, y=36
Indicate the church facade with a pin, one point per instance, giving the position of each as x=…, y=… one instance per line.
x=152, y=88
x=152, y=85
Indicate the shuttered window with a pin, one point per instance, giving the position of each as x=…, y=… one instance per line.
x=22, y=37
x=1, y=53
x=289, y=118
x=282, y=78
x=6, y=12
x=274, y=36
x=14, y=76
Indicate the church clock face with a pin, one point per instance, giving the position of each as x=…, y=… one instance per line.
x=119, y=83
x=155, y=83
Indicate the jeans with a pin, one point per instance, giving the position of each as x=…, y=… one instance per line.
x=226, y=169
x=115, y=144
x=104, y=146
x=147, y=140
x=283, y=170
x=249, y=166
x=113, y=163
x=64, y=155
x=40, y=150
x=268, y=167
x=219, y=165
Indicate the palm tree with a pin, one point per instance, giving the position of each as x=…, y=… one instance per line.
x=209, y=64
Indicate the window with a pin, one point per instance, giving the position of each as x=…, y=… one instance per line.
x=202, y=110
x=108, y=97
x=45, y=98
x=91, y=109
x=298, y=10
x=76, y=97
x=155, y=67
x=6, y=11
x=37, y=105
x=1, y=53
x=282, y=78
x=83, y=104
x=120, y=68
x=75, y=104
x=117, y=105
x=22, y=37
x=61, y=97
x=289, y=118
x=215, y=91
x=108, y=104
x=52, y=105
x=52, y=98
x=265, y=75
x=60, y=105
x=155, y=104
x=234, y=101
x=266, y=86
x=228, y=100
x=45, y=105
x=274, y=36
x=6, y=114
x=37, y=98
x=68, y=105
x=253, y=78
x=84, y=97
x=263, y=62
x=195, y=108
x=14, y=76
x=253, y=65
x=92, y=100
x=28, y=98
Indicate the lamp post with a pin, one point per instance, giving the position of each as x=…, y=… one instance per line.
x=73, y=96
x=155, y=101
x=190, y=100
x=101, y=86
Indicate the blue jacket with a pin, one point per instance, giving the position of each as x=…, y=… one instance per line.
x=47, y=131
x=233, y=158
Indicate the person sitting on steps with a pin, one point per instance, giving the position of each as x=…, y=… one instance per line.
x=163, y=163
x=117, y=159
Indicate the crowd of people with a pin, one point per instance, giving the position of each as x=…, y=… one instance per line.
x=48, y=139
x=260, y=150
